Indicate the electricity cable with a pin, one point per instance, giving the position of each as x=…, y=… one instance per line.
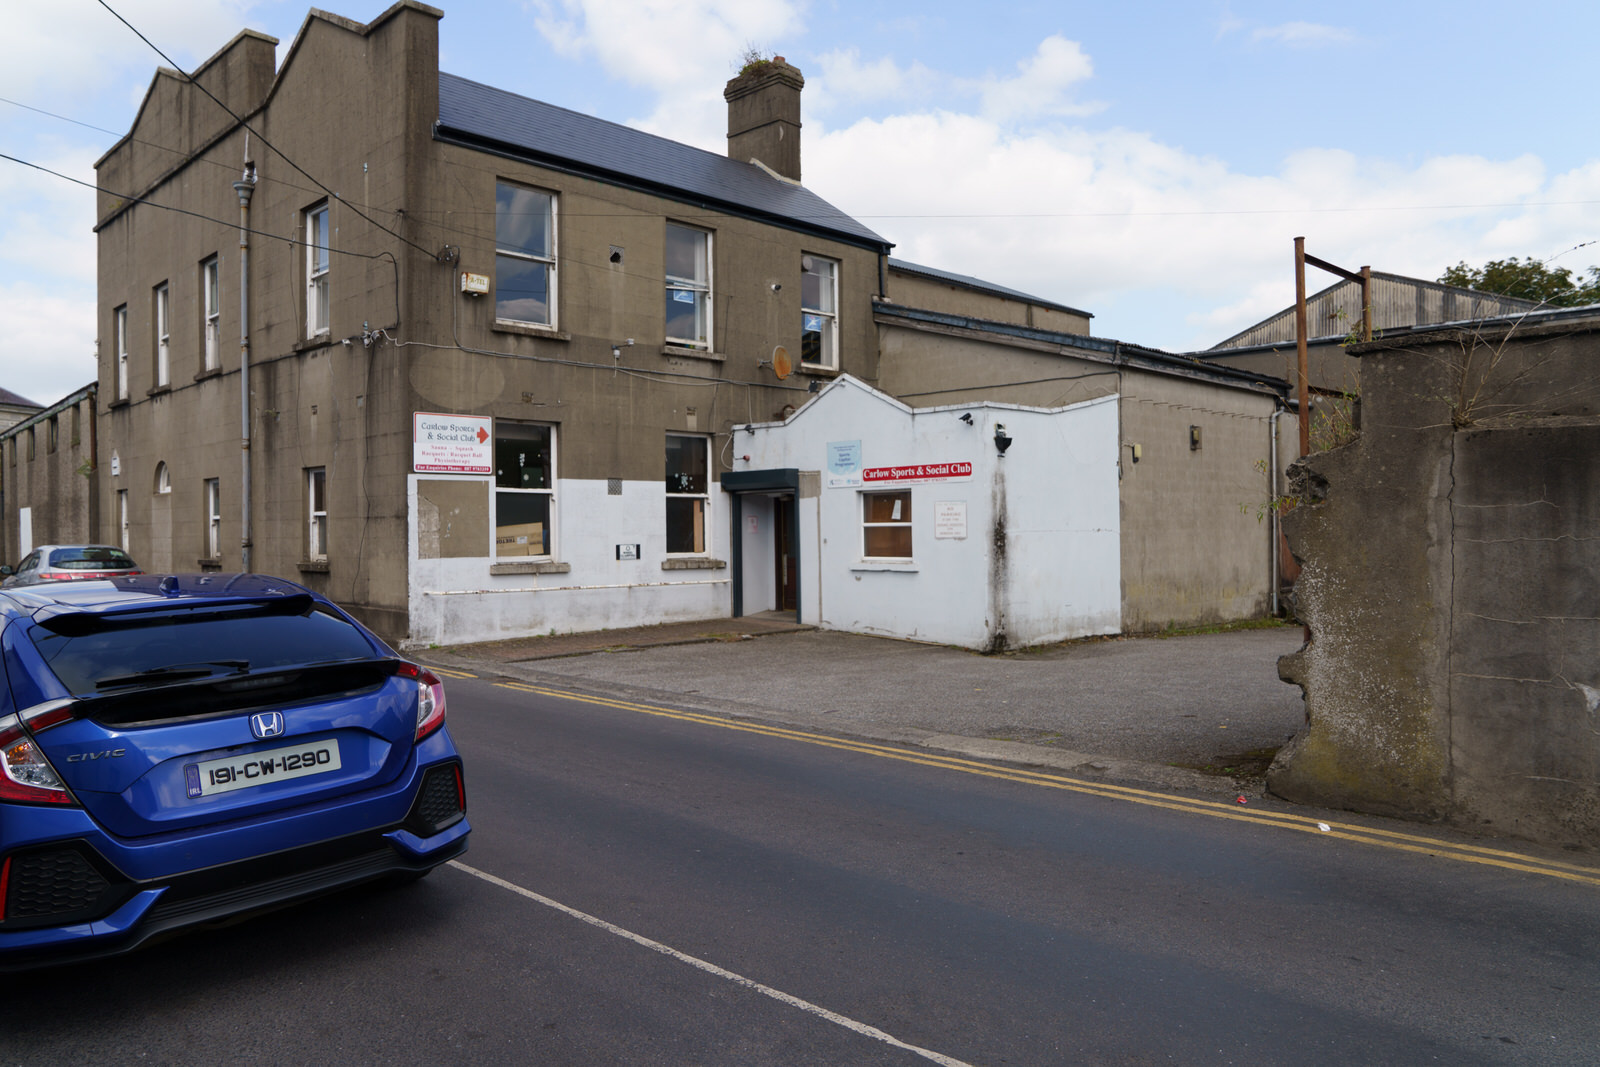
x=246, y=126
x=232, y=225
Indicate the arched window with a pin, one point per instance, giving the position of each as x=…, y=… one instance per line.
x=163, y=479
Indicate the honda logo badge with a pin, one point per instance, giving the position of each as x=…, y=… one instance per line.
x=265, y=724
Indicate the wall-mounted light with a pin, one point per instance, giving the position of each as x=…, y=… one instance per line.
x=1002, y=440
x=1194, y=439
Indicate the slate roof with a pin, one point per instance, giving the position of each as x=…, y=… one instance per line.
x=8, y=397
x=480, y=116
x=968, y=282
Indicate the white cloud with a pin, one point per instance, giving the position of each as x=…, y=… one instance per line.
x=50, y=59
x=682, y=50
x=1085, y=217
x=49, y=339
x=843, y=80
x=1303, y=34
x=47, y=224
x=1043, y=84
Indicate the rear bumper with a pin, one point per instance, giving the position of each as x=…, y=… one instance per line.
x=159, y=887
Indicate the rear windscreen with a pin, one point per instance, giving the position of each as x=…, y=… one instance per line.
x=90, y=558
x=156, y=649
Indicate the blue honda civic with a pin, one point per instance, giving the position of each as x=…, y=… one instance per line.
x=184, y=750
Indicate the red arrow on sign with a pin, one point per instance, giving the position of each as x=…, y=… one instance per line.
x=483, y=435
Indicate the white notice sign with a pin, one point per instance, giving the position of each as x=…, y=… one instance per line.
x=451, y=444
x=950, y=520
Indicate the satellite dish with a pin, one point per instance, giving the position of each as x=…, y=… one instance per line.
x=782, y=365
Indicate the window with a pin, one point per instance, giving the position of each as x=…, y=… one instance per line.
x=316, y=513
x=819, y=314
x=886, y=525
x=688, y=493
x=317, y=270
x=524, y=488
x=163, y=336
x=213, y=518
x=211, y=312
x=163, y=479
x=120, y=328
x=524, y=255
x=122, y=518
x=269, y=636
x=688, y=287
x=52, y=432
x=32, y=445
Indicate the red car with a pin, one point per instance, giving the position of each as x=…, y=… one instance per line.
x=69, y=563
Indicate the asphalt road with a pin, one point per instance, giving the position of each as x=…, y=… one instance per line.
x=783, y=897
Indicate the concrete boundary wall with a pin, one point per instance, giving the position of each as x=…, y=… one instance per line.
x=1452, y=589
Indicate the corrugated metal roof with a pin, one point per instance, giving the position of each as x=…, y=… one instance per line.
x=1397, y=302
x=969, y=282
x=481, y=116
x=1098, y=349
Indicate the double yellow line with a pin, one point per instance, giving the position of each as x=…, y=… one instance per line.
x=1366, y=835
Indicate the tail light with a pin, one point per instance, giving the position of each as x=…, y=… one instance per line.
x=430, y=698
x=79, y=576
x=25, y=774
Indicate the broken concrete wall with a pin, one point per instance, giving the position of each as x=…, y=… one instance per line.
x=1451, y=588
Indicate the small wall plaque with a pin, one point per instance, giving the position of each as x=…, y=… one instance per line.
x=627, y=551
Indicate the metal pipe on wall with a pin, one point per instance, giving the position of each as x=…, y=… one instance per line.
x=244, y=187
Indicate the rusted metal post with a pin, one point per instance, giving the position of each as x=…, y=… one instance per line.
x=1302, y=391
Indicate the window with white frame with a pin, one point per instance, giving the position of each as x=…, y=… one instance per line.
x=524, y=488
x=163, y=305
x=524, y=255
x=163, y=479
x=120, y=328
x=316, y=513
x=886, y=525
x=213, y=518
x=688, y=493
x=819, y=312
x=317, y=270
x=122, y=520
x=688, y=258
x=211, y=314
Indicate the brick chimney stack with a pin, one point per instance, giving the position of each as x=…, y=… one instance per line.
x=764, y=116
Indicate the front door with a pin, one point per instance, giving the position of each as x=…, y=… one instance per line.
x=784, y=562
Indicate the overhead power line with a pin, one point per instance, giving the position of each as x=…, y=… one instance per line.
x=257, y=134
x=233, y=224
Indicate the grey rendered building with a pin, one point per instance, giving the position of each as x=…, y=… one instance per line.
x=493, y=347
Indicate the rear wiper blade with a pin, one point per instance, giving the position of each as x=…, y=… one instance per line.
x=174, y=672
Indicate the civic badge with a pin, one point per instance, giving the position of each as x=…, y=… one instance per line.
x=265, y=724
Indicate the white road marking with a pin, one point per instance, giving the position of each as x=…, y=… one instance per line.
x=711, y=968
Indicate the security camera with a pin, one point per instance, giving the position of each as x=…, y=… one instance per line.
x=776, y=287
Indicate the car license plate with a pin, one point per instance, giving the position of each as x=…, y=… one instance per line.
x=277, y=764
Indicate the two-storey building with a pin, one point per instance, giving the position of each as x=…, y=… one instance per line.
x=464, y=361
